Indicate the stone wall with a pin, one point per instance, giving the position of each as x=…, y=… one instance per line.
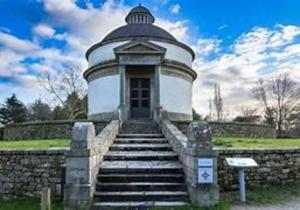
x=275, y=166
x=234, y=129
x=25, y=172
x=43, y=130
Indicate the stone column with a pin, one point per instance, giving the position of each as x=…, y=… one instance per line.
x=158, y=107
x=122, y=84
x=199, y=148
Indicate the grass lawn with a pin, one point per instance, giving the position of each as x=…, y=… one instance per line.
x=26, y=204
x=270, y=195
x=233, y=142
x=237, y=142
x=36, y=144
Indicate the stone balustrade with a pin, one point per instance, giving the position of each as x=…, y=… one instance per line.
x=197, y=144
x=83, y=161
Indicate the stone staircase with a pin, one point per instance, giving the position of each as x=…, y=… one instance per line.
x=140, y=170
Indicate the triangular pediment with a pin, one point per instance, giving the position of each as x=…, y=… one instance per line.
x=139, y=48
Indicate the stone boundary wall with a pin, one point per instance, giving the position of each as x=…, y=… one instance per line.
x=25, y=172
x=44, y=130
x=233, y=129
x=275, y=166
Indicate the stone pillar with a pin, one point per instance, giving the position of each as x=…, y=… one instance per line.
x=80, y=163
x=199, y=147
x=158, y=107
x=122, y=90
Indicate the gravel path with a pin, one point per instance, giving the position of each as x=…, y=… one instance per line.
x=292, y=205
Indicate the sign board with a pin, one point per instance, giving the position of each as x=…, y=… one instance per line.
x=239, y=162
x=205, y=170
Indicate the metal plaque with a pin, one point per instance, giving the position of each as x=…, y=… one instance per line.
x=239, y=162
x=205, y=175
x=205, y=170
x=204, y=162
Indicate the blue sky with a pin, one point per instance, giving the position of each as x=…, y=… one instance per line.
x=236, y=42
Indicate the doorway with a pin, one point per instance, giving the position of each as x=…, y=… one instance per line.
x=140, y=97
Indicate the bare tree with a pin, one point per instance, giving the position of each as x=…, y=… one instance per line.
x=218, y=102
x=67, y=88
x=247, y=114
x=246, y=111
x=280, y=97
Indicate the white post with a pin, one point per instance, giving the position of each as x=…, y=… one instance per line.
x=242, y=185
x=46, y=199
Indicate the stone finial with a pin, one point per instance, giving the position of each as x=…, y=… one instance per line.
x=199, y=135
x=83, y=134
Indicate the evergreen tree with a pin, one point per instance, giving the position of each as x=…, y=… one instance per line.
x=12, y=111
x=39, y=111
x=59, y=113
x=196, y=115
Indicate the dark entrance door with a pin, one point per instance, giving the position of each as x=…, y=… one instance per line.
x=140, y=97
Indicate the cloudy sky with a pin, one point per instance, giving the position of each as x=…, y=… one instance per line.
x=236, y=42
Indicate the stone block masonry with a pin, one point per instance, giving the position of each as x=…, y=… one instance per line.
x=196, y=145
x=83, y=161
x=26, y=172
x=43, y=130
x=233, y=129
x=276, y=166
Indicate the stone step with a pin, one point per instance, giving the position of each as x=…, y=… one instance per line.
x=141, y=177
x=140, y=155
x=141, y=147
x=140, y=186
x=140, y=167
x=141, y=141
x=140, y=135
x=141, y=205
x=141, y=196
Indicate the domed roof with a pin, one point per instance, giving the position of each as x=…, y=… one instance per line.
x=139, y=25
x=139, y=9
x=138, y=30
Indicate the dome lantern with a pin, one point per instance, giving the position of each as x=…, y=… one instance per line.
x=139, y=15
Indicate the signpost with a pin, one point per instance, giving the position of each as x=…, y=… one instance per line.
x=205, y=170
x=241, y=164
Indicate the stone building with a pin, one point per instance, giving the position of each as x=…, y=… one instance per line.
x=140, y=70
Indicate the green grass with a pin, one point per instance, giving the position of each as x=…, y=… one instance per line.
x=26, y=204
x=223, y=205
x=36, y=144
x=271, y=195
x=237, y=142
x=267, y=195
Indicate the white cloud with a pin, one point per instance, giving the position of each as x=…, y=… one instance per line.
x=15, y=44
x=175, y=8
x=178, y=29
x=259, y=53
x=43, y=30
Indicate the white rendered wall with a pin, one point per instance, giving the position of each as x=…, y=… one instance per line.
x=176, y=94
x=103, y=94
x=103, y=53
x=174, y=52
